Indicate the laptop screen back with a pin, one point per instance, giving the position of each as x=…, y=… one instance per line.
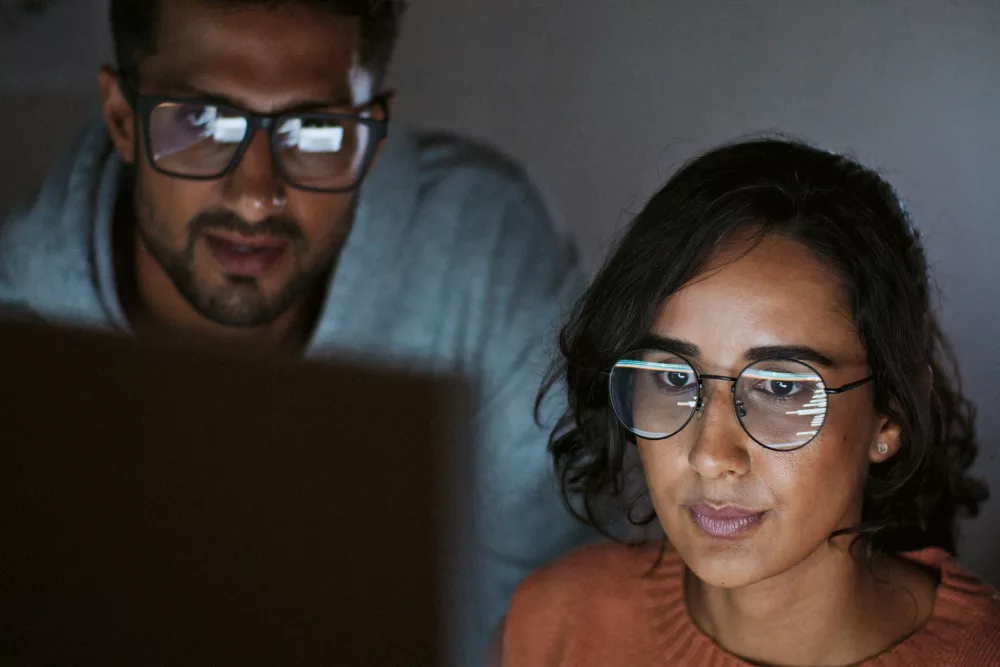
x=162, y=506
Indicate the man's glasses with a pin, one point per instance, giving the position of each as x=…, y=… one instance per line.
x=780, y=403
x=196, y=139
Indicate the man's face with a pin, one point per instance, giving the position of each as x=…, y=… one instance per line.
x=245, y=248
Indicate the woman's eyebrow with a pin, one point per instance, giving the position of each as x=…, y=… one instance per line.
x=675, y=345
x=689, y=349
x=797, y=352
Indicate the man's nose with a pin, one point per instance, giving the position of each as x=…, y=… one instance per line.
x=255, y=189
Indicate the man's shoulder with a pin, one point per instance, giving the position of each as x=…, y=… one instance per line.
x=481, y=209
x=30, y=238
x=443, y=154
x=46, y=244
x=46, y=267
x=459, y=170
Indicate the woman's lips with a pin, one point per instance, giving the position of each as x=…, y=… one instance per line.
x=729, y=522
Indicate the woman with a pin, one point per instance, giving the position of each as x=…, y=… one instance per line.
x=763, y=337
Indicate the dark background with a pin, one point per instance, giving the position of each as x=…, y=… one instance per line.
x=603, y=99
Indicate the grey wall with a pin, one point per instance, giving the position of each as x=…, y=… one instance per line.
x=53, y=52
x=602, y=99
x=48, y=74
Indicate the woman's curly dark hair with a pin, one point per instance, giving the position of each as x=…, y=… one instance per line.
x=850, y=218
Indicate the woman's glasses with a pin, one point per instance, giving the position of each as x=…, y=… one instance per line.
x=780, y=403
x=196, y=139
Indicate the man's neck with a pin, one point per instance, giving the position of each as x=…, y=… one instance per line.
x=830, y=609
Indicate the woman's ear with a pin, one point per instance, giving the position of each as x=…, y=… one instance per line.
x=887, y=441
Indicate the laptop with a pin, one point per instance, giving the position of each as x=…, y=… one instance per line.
x=163, y=506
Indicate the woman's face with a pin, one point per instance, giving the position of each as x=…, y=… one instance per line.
x=736, y=512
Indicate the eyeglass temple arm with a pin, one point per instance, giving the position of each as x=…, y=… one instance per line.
x=848, y=387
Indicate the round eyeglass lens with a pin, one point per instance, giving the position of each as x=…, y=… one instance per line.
x=781, y=403
x=654, y=393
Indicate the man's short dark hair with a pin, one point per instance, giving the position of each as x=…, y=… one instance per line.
x=134, y=27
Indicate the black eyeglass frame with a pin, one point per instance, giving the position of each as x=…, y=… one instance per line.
x=738, y=407
x=143, y=105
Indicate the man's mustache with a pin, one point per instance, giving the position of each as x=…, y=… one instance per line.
x=227, y=221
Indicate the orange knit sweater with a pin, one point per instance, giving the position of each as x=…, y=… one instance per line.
x=608, y=606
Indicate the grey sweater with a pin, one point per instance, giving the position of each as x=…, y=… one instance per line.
x=453, y=264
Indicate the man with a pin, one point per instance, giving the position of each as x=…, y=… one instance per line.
x=228, y=195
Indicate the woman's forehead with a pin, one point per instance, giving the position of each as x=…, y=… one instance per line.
x=773, y=292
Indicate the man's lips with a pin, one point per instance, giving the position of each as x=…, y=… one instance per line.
x=245, y=256
x=257, y=241
x=729, y=521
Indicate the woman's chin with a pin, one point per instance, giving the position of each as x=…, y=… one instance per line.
x=724, y=571
x=724, y=563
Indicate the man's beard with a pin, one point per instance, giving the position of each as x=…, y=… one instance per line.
x=239, y=303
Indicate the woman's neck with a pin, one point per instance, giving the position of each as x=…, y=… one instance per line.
x=830, y=609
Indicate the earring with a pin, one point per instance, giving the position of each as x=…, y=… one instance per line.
x=882, y=448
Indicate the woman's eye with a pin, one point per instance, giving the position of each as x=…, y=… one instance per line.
x=679, y=379
x=781, y=388
x=676, y=379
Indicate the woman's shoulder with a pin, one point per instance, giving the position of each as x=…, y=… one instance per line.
x=964, y=595
x=958, y=587
x=965, y=622
x=599, y=590
x=602, y=566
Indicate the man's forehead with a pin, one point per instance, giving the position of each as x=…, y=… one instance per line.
x=268, y=58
